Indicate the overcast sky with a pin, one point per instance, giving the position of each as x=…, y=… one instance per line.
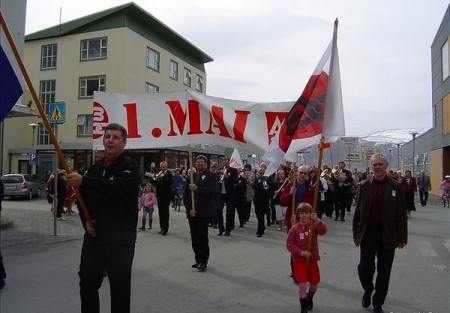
x=266, y=50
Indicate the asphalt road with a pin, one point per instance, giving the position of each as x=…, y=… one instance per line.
x=245, y=274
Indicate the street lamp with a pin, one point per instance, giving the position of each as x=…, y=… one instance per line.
x=33, y=125
x=413, y=152
x=398, y=157
x=390, y=157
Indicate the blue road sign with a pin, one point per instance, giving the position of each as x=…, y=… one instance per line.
x=33, y=158
x=57, y=113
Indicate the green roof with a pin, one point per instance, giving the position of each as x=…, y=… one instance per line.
x=134, y=17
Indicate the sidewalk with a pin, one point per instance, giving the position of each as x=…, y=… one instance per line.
x=26, y=222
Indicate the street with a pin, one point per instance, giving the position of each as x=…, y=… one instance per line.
x=245, y=274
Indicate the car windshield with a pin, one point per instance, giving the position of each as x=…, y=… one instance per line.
x=12, y=179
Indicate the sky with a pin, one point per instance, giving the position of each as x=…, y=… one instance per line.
x=266, y=50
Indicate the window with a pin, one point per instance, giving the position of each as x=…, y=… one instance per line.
x=92, y=49
x=150, y=88
x=47, y=93
x=48, y=56
x=43, y=135
x=90, y=84
x=187, y=77
x=199, y=83
x=84, y=125
x=173, y=70
x=445, y=61
x=153, y=59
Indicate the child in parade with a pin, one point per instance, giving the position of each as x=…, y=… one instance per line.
x=306, y=268
x=146, y=203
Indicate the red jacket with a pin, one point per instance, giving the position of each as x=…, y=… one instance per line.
x=286, y=200
x=298, y=238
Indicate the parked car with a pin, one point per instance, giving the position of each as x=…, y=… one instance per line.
x=20, y=185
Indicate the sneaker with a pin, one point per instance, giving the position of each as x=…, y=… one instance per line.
x=279, y=228
x=202, y=267
x=60, y=218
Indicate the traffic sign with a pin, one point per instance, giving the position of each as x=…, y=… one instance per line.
x=57, y=113
x=33, y=159
x=350, y=141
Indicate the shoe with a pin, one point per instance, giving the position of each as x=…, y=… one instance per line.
x=342, y=219
x=195, y=265
x=366, y=299
x=149, y=228
x=61, y=219
x=202, y=267
x=227, y=233
x=2, y=283
x=160, y=232
x=220, y=233
x=258, y=236
x=164, y=233
x=279, y=228
x=377, y=308
x=241, y=225
x=142, y=228
x=335, y=218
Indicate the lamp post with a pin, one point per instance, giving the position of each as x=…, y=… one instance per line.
x=33, y=150
x=390, y=157
x=413, y=153
x=398, y=157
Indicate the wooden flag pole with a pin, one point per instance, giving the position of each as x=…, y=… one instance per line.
x=43, y=115
x=294, y=184
x=191, y=177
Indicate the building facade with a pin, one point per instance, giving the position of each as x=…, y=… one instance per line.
x=431, y=150
x=123, y=49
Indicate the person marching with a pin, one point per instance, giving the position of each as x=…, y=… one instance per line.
x=228, y=181
x=277, y=186
x=306, y=258
x=261, y=199
x=409, y=187
x=146, y=204
x=204, y=187
x=163, y=184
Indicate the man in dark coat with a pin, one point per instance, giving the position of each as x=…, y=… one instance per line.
x=163, y=183
x=110, y=190
x=228, y=183
x=379, y=227
x=204, y=188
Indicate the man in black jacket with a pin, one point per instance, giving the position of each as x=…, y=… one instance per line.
x=110, y=190
x=163, y=183
x=204, y=188
x=228, y=182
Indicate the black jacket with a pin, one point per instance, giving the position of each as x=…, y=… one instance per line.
x=111, y=196
x=204, y=196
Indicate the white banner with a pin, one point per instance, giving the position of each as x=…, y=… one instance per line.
x=185, y=118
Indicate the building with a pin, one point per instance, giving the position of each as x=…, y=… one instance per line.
x=122, y=49
x=431, y=150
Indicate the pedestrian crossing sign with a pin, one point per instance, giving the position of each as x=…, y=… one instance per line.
x=57, y=113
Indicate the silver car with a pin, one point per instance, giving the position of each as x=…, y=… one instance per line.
x=20, y=185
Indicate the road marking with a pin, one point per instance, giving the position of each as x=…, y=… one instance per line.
x=426, y=249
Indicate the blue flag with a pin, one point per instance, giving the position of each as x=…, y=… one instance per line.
x=10, y=86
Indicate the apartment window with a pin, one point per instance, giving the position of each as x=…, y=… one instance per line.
x=47, y=93
x=445, y=61
x=90, y=84
x=150, y=88
x=187, y=77
x=173, y=70
x=84, y=125
x=153, y=59
x=92, y=49
x=199, y=83
x=48, y=56
x=43, y=135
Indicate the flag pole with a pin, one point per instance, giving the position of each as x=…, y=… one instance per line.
x=42, y=114
x=191, y=177
x=294, y=184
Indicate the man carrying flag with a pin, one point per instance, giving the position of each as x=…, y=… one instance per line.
x=317, y=113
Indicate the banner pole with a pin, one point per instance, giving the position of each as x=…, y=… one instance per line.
x=191, y=177
x=42, y=114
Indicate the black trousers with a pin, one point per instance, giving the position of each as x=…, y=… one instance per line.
x=117, y=261
x=164, y=214
x=371, y=247
x=260, y=210
x=199, y=238
x=229, y=202
x=423, y=195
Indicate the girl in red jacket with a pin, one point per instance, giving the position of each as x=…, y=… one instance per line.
x=306, y=268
